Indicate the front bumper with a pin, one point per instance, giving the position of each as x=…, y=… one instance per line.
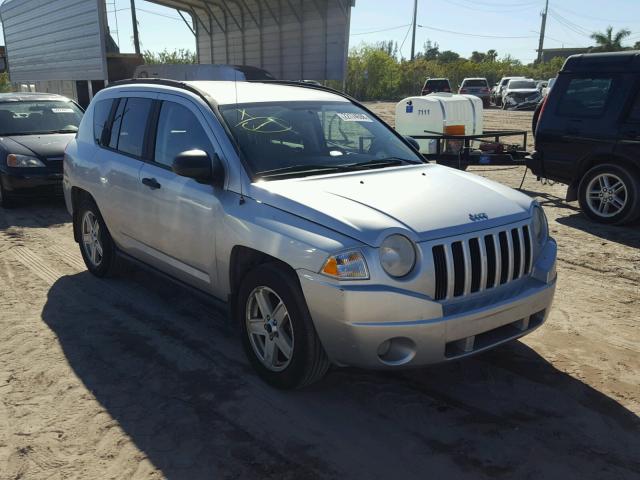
x=44, y=181
x=377, y=327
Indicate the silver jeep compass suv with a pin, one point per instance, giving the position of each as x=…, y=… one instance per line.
x=331, y=239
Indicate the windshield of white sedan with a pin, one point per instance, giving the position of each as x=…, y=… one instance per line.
x=306, y=138
x=38, y=117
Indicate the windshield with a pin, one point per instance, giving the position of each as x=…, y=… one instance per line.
x=43, y=116
x=306, y=138
x=475, y=83
x=518, y=84
x=437, y=83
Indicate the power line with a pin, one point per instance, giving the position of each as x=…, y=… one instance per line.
x=383, y=30
x=485, y=9
x=589, y=17
x=147, y=11
x=475, y=34
x=574, y=27
x=405, y=37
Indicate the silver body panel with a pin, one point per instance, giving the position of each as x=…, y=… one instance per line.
x=189, y=230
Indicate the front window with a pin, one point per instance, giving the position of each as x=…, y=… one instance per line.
x=475, y=83
x=39, y=117
x=522, y=85
x=306, y=138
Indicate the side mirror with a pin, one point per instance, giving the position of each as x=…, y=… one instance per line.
x=194, y=164
x=413, y=142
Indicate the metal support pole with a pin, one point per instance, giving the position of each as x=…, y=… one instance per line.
x=413, y=38
x=542, y=29
x=134, y=19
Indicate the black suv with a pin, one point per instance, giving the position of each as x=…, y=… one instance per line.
x=588, y=135
x=436, y=85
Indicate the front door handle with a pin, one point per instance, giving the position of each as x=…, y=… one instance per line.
x=152, y=183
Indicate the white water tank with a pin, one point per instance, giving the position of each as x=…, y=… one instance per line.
x=436, y=113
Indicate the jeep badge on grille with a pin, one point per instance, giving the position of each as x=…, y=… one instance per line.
x=476, y=217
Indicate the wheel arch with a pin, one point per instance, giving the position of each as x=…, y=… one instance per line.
x=244, y=259
x=594, y=160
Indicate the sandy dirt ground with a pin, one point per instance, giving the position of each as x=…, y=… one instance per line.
x=134, y=377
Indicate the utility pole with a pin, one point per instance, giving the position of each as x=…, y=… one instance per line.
x=134, y=19
x=413, y=39
x=542, y=29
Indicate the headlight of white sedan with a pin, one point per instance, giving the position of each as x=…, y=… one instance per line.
x=397, y=256
x=23, y=161
x=540, y=226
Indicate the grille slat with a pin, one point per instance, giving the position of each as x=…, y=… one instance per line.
x=474, y=264
x=517, y=253
x=527, y=249
x=490, y=249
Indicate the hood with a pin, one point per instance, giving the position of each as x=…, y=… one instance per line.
x=423, y=202
x=45, y=146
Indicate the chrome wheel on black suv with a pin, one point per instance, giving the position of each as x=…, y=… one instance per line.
x=610, y=193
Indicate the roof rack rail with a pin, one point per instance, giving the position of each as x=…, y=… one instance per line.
x=301, y=83
x=166, y=82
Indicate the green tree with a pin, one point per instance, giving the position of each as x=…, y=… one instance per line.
x=491, y=56
x=169, y=57
x=636, y=46
x=608, y=42
x=431, y=50
x=5, y=84
x=478, y=57
x=448, y=57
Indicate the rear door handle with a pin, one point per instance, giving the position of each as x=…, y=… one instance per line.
x=152, y=183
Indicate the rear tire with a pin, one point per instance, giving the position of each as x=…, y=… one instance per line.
x=96, y=245
x=278, y=335
x=609, y=193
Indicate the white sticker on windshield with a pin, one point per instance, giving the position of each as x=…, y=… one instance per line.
x=355, y=117
x=62, y=110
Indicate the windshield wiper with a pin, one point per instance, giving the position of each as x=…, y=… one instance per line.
x=301, y=169
x=379, y=163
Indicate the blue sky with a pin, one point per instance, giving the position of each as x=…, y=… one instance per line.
x=569, y=24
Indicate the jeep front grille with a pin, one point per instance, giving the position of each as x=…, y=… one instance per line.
x=478, y=263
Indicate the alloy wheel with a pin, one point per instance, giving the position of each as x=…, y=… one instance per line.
x=269, y=328
x=606, y=195
x=91, y=238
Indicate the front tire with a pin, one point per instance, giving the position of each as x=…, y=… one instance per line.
x=610, y=193
x=5, y=200
x=278, y=335
x=96, y=245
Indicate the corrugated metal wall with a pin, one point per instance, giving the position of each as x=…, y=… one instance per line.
x=54, y=39
x=293, y=39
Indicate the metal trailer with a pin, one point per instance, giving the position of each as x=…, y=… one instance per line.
x=291, y=39
x=467, y=155
x=64, y=46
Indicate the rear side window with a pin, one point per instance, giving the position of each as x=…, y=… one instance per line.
x=100, y=118
x=585, y=97
x=129, y=125
x=178, y=131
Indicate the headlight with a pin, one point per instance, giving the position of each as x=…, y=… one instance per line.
x=23, y=161
x=346, y=266
x=397, y=255
x=540, y=226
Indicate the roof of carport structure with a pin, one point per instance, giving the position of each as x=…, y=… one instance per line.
x=292, y=39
